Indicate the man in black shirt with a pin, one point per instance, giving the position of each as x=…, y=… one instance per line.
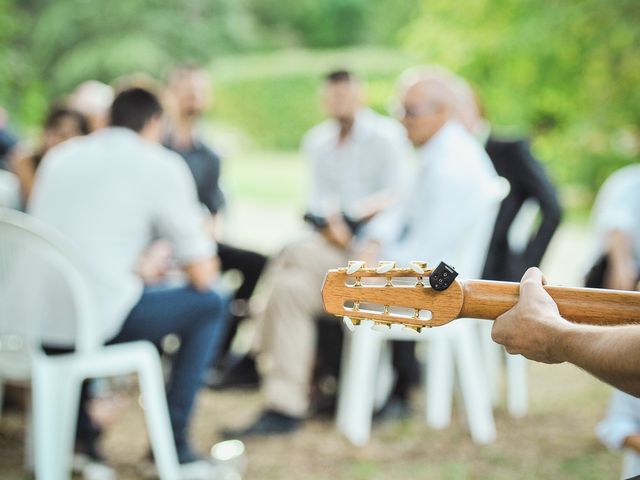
x=513, y=160
x=189, y=94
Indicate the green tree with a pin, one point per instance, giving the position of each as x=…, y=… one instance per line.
x=568, y=72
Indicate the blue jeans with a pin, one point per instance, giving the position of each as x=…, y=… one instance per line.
x=194, y=316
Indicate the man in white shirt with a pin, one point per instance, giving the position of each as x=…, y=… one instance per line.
x=455, y=182
x=356, y=162
x=109, y=193
x=617, y=221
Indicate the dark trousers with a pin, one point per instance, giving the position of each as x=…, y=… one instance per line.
x=250, y=264
x=188, y=313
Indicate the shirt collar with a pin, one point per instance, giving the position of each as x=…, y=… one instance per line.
x=360, y=124
x=440, y=139
x=122, y=132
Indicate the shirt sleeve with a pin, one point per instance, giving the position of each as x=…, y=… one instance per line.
x=178, y=214
x=621, y=421
x=214, y=198
x=616, y=204
x=317, y=200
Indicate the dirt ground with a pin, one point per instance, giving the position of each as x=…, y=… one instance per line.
x=556, y=440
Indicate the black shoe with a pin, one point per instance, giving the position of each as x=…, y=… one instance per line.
x=269, y=423
x=396, y=408
x=241, y=373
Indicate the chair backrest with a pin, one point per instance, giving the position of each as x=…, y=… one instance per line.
x=9, y=190
x=473, y=254
x=34, y=259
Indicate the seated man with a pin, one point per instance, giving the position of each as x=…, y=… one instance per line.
x=189, y=89
x=455, y=183
x=356, y=159
x=620, y=429
x=60, y=124
x=108, y=193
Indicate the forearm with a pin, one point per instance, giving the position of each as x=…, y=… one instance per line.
x=610, y=353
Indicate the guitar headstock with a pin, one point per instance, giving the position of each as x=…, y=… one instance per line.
x=389, y=295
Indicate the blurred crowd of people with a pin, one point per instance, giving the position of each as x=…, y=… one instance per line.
x=126, y=175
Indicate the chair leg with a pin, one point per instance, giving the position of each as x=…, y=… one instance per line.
x=157, y=416
x=517, y=386
x=28, y=437
x=357, y=385
x=1, y=396
x=492, y=353
x=439, y=381
x=55, y=400
x=471, y=370
x=630, y=464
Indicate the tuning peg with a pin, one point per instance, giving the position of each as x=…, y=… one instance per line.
x=366, y=323
x=349, y=323
x=418, y=266
x=411, y=330
x=381, y=327
x=385, y=266
x=354, y=265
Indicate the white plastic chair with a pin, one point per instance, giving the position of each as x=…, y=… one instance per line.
x=630, y=464
x=9, y=190
x=454, y=345
x=495, y=355
x=31, y=252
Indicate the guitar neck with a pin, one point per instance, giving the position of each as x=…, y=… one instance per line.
x=488, y=300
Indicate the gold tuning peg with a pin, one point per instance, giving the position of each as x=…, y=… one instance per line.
x=381, y=327
x=418, y=266
x=354, y=265
x=385, y=266
x=349, y=323
x=410, y=329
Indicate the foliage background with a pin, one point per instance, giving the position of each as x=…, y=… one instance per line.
x=566, y=73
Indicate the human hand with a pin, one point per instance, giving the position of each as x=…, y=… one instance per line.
x=533, y=327
x=155, y=262
x=369, y=252
x=337, y=231
x=633, y=442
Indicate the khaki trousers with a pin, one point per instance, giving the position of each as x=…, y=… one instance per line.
x=286, y=340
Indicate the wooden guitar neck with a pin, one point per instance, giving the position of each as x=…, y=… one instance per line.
x=403, y=296
x=488, y=300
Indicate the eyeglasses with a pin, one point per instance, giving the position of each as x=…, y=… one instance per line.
x=414, y=111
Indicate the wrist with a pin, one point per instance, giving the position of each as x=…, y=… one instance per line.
x=562, y=338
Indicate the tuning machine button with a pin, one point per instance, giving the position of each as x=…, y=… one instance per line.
x=381, y=327
x=418, y=267
x=385, y=266
x=411, y=330
x=354, y=265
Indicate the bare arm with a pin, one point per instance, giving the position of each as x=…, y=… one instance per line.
x=535, y=329
x=621, y=273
